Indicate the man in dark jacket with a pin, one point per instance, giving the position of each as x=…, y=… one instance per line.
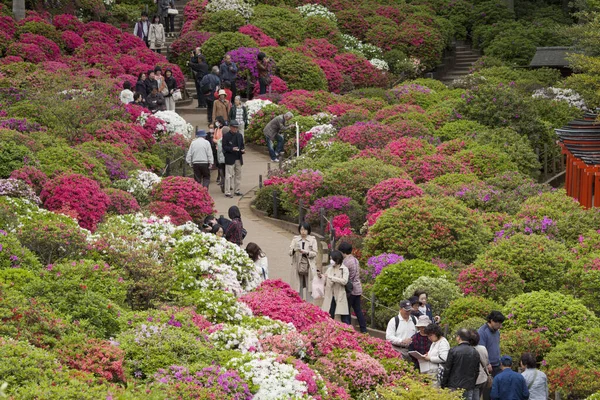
x=142, y=28
x=228, y=73
x=274, y=132
x=208, y=85
x=233, y=149
x=462, y=366
x=508, y=384
x=200, y=70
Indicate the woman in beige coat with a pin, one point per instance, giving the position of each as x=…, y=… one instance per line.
x=156, y=37
x=335, y=301
x=303, y=245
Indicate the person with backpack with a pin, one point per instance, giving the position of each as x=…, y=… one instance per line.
x=208, y=85
x=401, y=328
x=303, y=250
x=142, y=28
x=537, y=381
x=235, y=232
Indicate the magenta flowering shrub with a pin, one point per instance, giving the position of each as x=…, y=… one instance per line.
x=186, y=43
x=303, y=185
x=367, y=134
x=177, y=214
x=356, y=112
x=388, y=193
x=246, y=61
x=32, y=176
x=278, y=85
x=7, y=25
x=133, y=135
x=258, y=35
x=185, y=193
x=494, y=281
x=409, y=149
x=334, y=205
x=332, y=74
x=341, y=226
x=50, y=49
x=321, y=48
x=376, y=264
x=397, y=109
x=360, y=70
x=359, y=371
x=121, y=202
x=66, y=22
x=29, y=52
x=79, y=194
x=328, y=336
x=431, y=166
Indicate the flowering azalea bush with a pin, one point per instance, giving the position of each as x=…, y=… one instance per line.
x=388, y=193
x=186, y=193
x=121, y=202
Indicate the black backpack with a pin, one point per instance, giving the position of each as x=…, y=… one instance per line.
x=397, y=320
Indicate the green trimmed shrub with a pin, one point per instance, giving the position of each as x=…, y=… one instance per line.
x=16, y=278
x=460, y=129
x=440, y=292
x=355, y=177
x=300, y=72
x=519, y=341
x=427, y=228
x=464, y=308
x=223, y=21
x=540, y=262
x=394, y=279
x=486, y=161
x=283, y=24
x=12, y=156
x=14, y=255
x=583, y=280
x=449, y=184
x=557, y=316
x=323, y=155
x=57, y=160
x=582, y=350
x=216, y=46
x=317, y=27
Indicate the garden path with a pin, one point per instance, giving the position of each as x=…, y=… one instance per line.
x=273, y=240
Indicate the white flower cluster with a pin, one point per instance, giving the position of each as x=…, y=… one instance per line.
x=219, y=306
x=323, y=117
x=221, y=276
x=274, y=379
x=175, y=124
x=267, y=327
x=379, y=64
x=316, y=10
x=557, y=94
x=235, y=337
x=254, y=106
x=146, y=178
x=322, y=132
x=242, y=7
x=73, y=94
x=368, y=50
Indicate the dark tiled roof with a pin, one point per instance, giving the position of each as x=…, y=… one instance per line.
x=551, y=57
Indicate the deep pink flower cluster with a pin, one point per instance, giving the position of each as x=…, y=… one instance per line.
x=340, y=109
x=32, y=176
x=367, y=134
x=388, y=193
x=187, y=194
x=397, y=109
x=77, y=193
x=431, y=166
x=50, y=49
x=133, y=135
x=65, y=22
x=330, y=205
x=278, y=85
x=177, y=214
x=303, y=185
x=121, y=202
x=258, y=35
x=188, y=42
x=29, y=52
x=341, y=225
x=321, y=48
x=332, y=74
x=360, y=70
x=408, y=148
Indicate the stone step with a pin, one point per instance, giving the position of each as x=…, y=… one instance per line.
x=463, y=64
x=460, y=70
x=465, y=59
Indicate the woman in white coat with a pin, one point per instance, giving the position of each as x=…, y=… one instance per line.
x=335, y=301
x=303, y=251
x=438, y=352
x=156, y=36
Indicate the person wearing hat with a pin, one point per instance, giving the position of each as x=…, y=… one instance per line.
x=401, y=328
x=200, y=157
x=508, y=384
x=462, y=366
x=233, y=149
x=420, y=341
x=221, y=107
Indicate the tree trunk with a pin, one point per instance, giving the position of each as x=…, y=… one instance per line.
x=19, y=9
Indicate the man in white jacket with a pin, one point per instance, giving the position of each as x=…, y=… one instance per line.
x=401, y=328
x=200, y=157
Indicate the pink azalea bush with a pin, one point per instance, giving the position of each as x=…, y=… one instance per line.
x=366, y=134
x=278, y=85
x=303, y=185
x=185, y=193
x=332, y=74
x=32, y=176
x=388, y=193
x=133, y=135
x=360, y=371
x=360, y=70
x=408, y=149
x=79, y=194
x=341, y=225
x=121, y=202
x=177, y=214
x=258, y=35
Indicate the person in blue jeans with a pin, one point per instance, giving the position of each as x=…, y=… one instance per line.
x=353, y=297
x=274, y=132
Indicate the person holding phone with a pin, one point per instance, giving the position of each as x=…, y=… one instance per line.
x=303, y=250
x=233, y=149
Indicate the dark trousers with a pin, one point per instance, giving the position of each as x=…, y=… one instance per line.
x=170, y=20
x=201, y=174
x=210, y=100
x=354, y=302
x=233, y=90
x=201, y=99
x=263, y=87
x=486, y=391
x=345, y=318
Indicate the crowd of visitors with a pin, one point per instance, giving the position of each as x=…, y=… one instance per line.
x=153, y=90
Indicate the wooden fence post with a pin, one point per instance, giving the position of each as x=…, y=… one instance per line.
x=260, y=182
x=168, y=167
x=275, y=205
x=372, y=310
x=322, y=220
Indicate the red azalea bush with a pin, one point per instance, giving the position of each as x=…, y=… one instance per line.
x=50, y=49
x=29, y=52
x=388, y=193
x=258, y=35
x=366, y=134
x=186, y=193
x=177, y=214
x=352, y=21
x=133, y=135
x=100, y=357
x=66, y=22
x=77, y=193
x=408, y=148
x=431, y=166
x=121, y=202
x=32, y=176
x=360, y=70
x=332, y=74
x=321, y=48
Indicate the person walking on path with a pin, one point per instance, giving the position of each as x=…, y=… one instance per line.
x=303, y=250
x=163, y=10
x=260, y=260
x=221, y=161
x=157, y=35
x=235, y=229
x=221, y=107
x=233, y=149
x=508, y=384
x=489, y=337
x=438, y=352
x=420, y=341
x=462, y=367
x=171, y=87
x=200, y=157
x=401, y=328
x=239, y=112
x=264, y=72
x=335, y=301
x=274, y=131
x=208, y=85
x=353, y=266
x=200, y=70
x=536, y=380
x=142, y=28
x=170, y=21
x=228, y=73
x=482, y=379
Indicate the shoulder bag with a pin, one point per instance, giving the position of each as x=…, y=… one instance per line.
x=303, y=265
x=177, y=95
x=490, y=380
x=533, y=380
x=349, y=286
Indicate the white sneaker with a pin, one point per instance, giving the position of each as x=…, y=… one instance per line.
x=276, y=160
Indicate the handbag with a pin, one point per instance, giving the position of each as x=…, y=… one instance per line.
x=349, y=286
x=303, y=265
x=487, y=384
x=177, y=95
x=173, y=11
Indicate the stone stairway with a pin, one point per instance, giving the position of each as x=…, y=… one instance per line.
x=465, y=58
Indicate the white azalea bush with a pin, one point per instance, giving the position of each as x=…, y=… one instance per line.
x=243, y=7
x=323, y=118
x=139, y=184
x=379, y=64
x=218, y=306
x=255, y=106
x=557, y=94
x=368, y=50
x=175, y=124
x=234, y=337
x=316, y=10
x=205, y=274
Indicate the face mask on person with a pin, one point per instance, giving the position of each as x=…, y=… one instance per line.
x=218, y=125
x=211, y=130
